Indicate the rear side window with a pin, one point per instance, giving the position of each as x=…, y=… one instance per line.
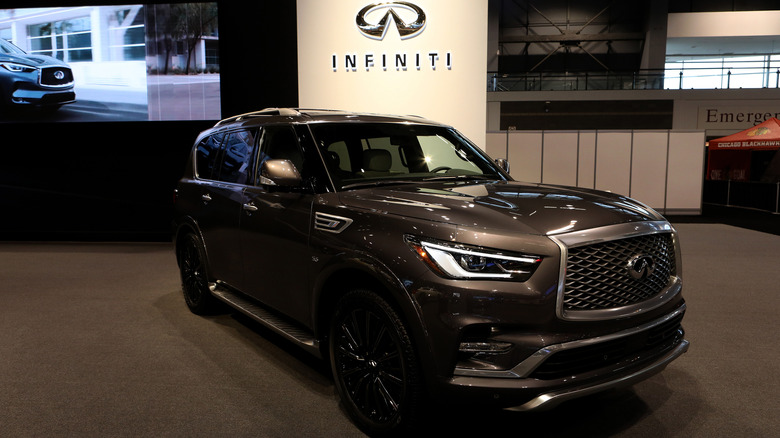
x=206, y=156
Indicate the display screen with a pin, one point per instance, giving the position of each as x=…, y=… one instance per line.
x=110, y=63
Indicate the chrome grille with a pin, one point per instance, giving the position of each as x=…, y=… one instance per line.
x=56, y=76
x=597, y=275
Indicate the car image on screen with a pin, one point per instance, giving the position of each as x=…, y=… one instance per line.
x=34, y=81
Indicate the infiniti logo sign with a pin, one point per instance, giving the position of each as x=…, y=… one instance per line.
x=59, y=75
x=373, y=22
x=377, y=29
x=640, y=267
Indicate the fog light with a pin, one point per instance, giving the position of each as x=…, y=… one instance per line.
x=484, y=347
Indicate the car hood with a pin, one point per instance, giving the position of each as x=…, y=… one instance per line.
x=506, y=206
x=33, y=60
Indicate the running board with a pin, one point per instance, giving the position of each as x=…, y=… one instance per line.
x=290, y=331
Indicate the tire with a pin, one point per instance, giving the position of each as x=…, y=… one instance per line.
x=194, y=276
x=374, y=364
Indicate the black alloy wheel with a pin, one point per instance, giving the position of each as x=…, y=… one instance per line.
x=374, y=364
x=194, y=276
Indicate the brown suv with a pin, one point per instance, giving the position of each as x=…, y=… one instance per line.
x=402, y=253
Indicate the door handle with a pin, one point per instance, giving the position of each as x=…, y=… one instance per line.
x=206, y=197
x=250, y=207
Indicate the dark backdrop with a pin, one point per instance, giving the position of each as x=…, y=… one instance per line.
x=115, y=181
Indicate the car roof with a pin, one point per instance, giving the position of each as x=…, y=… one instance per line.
x=297, y=115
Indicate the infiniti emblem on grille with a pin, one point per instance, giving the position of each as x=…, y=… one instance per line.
x=59, y=75
x=378, y=29
x=640, y=267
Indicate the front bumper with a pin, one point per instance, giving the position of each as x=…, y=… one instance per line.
x=568, y=370
x=554, y=398
x=38, y=97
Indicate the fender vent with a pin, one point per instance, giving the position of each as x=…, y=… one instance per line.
x=330, y=223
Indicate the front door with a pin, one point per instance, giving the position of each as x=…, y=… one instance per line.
x=275, y=227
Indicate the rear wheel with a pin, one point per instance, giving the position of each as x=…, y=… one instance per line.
x=194, y=276
x=374, y=364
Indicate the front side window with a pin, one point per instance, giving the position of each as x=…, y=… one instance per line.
x=281, y=143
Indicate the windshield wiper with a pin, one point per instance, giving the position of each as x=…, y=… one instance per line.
x=388, y=182
x=461, y=177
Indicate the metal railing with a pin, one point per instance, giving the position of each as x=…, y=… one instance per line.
x=673, y=79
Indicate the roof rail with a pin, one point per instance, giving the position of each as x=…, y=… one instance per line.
x=262, y=112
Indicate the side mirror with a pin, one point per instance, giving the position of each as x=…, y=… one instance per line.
x=280, y=173
x=503, y=163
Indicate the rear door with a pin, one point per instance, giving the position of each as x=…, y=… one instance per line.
x=222, y=174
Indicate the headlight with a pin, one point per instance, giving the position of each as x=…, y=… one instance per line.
x=17, y=68
x=467, y=262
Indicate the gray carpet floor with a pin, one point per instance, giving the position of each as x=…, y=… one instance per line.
x=95, y=340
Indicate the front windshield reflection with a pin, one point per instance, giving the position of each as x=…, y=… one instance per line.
x=367, y=154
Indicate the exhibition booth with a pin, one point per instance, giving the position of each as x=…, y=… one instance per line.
x=730, y=157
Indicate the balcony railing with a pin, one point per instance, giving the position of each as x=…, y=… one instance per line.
x=670, y=79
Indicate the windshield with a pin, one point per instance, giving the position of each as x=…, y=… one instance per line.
x=9, y=49
x=359, y=154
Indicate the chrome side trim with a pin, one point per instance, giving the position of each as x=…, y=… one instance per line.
x=526, y=367
x=612, y=232
x=606, y=234
x=552, y=399
x=331, y=223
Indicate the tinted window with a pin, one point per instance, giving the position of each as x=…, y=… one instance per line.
x=280, y=143
x=236, y=157
x=338, y=154
x=206, y=155
x=360, y=152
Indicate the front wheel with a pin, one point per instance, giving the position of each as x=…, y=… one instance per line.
x=374, y=364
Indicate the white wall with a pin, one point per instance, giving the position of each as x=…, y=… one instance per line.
x=454, y=94
x=723, y=24
x=662, y=168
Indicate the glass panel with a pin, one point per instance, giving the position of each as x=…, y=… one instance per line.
x=80, y=55
x=370, y=152
x=446, y=156
x=79, y=41
x=76, y=25
x=135, y=35
x=39, y=29
x=135, y=53
x=238, y=151
x=206, y=155
x=280, y=143
x=339, y=156
x=37, y=44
